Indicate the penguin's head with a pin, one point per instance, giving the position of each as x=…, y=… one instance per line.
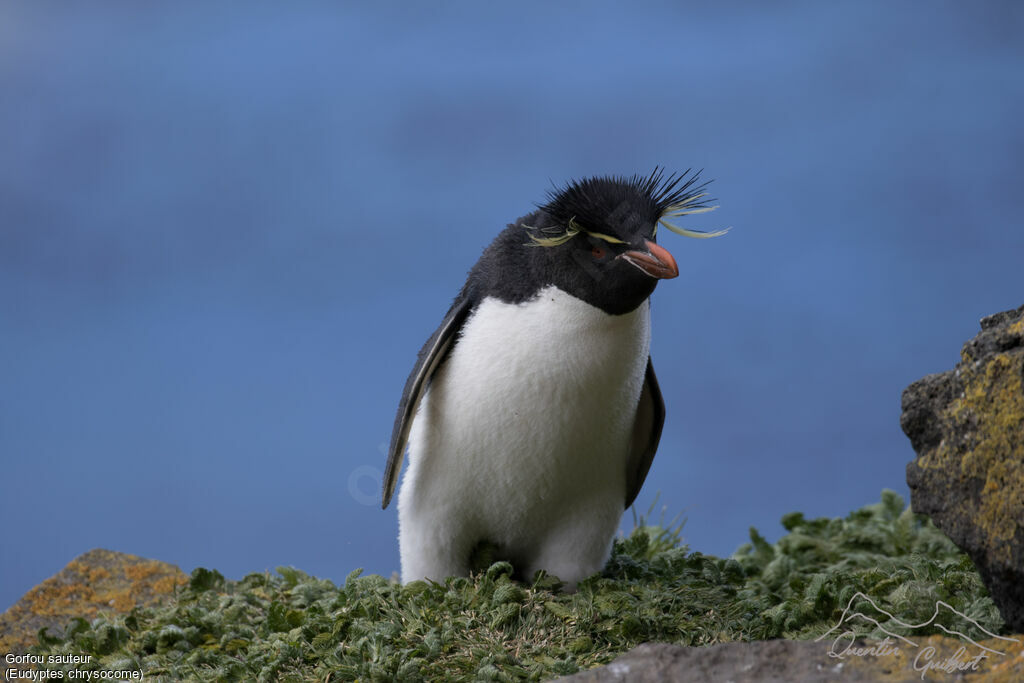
x=596, y=238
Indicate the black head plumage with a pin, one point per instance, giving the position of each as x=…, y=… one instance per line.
x=637, y=199
x=594, y=238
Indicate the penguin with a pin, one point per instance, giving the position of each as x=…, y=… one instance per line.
x=533, y=412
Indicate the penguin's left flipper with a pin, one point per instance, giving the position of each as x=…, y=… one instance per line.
x=431, y=355
x=650, y=418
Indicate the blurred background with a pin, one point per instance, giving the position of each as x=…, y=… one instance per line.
x=225, y=234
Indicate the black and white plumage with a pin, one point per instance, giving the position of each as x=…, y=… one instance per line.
x=533, y=411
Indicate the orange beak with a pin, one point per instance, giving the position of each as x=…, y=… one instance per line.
x=656, y=261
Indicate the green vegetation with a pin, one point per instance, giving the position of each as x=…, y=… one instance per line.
x=291, y=626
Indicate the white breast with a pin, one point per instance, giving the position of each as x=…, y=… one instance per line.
x=523, y=438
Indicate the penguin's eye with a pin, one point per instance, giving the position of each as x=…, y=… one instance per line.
x=601, y=245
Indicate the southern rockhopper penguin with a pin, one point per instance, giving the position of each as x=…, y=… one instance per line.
x=533, y=411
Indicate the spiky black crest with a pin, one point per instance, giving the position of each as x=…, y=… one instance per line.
x=591, y=201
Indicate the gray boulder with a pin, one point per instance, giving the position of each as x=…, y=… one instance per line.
x=772, y=661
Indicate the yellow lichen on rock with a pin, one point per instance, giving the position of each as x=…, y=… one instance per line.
x=995, y=660
x=51, y=598
x=992, y=411
x=144, y=570
x=98, y=574
x=97, y=581
x=967, y=426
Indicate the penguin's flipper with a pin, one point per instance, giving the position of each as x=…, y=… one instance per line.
x=431, y=355
x=650, y=418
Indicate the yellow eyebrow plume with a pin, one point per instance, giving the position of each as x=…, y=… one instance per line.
x=555, y=240
x=562, y=237
x=607, y=238
x=686, y=208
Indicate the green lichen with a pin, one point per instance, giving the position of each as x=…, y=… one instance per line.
x=294, y=627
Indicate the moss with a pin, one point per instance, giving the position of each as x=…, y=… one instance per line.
x=291, y=626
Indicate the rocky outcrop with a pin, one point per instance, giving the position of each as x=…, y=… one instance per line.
x=94, y=582
x=932, y=658
x=967, y=427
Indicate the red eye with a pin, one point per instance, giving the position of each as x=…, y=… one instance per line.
x=597, y=252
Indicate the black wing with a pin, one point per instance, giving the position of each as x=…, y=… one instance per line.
x=650, y=418
x=433, y=352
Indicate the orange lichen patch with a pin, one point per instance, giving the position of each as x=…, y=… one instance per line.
x=167, y=584
x=98, y=574
x=97, y=581
x=52, y=598
x=1009, y=669
x=122, y=602
x=144, y=570
x=944, y=658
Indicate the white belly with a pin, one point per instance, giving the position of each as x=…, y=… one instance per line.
x=523, y=438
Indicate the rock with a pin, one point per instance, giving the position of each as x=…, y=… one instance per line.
x=967, y=427
x=96, y=581
x=770, y=660
x=810, y=661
